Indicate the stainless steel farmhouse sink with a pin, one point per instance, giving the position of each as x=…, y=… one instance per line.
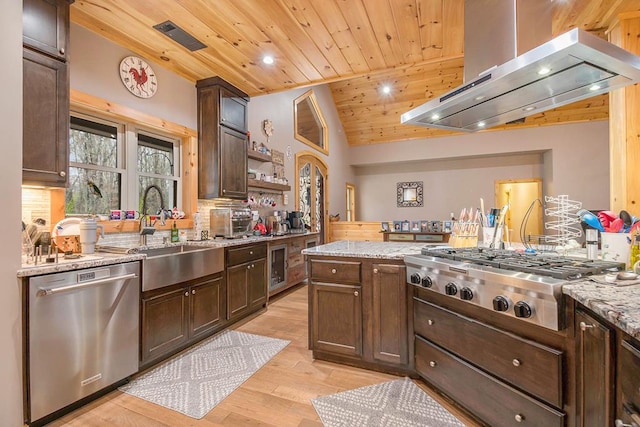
x=167, y=266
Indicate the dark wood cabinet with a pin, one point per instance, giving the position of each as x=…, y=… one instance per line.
x=45, y=26
x=628, y=382
x=389, y=292
x=594, y=352
x=246, y=280
x=45, y=92
x=179, y=316
x=164, y=323
x=222, y=140
x=337, y=319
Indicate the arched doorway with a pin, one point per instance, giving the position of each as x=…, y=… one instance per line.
x=311, y=192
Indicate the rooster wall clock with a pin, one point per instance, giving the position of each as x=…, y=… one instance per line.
x=138, y=77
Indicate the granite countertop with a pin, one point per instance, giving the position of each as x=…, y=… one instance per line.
x=106, y=258
x=349, y=248
x=620, y=305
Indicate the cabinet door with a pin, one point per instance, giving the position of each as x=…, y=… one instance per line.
x=233, y=111
x=337, y=319
x=595, y=375
x=389, y=317
x=233, y=164
x=237, y=290
x=45, y=130
x=257, y=282
x=164, y=323
x=207, y=307
x=628, y=382
x=45, y=26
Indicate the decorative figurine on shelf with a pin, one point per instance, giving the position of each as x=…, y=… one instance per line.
x=267, y=127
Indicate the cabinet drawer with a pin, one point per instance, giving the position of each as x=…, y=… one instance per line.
x=335, y=271
x=527, y=365
x=629, y=375
x=395, y=237
x=247, y=253
x=494, y=402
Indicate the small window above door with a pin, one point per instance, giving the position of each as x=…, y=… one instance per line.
x=310, y=126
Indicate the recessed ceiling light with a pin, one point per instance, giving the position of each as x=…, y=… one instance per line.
x=386, y=89
x=544, y=70
x=480, y=124
x=435, y=116
x=267, y=59
x=529, y=108
x=594, y=87
x=479, y=97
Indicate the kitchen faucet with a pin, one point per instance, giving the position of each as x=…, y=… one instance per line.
x=145, y=227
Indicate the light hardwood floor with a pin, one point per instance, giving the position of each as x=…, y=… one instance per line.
x=279, y=394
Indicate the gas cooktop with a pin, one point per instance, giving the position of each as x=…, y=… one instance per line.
x=559, y=267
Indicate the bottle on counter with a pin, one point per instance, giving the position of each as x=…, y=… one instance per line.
x=174, y=233
x=635, y=251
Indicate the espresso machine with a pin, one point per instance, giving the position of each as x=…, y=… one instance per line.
x=277, y=223
x=296, y=224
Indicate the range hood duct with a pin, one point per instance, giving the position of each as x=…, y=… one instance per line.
x=578, y=65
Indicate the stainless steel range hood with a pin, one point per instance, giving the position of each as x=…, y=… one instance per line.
x=578, y=65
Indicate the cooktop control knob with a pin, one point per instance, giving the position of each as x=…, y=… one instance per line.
x=466, y=294
x=522, y=309
x=500, y=303
x=426, y=282
x=450, y=288
x=415, y=278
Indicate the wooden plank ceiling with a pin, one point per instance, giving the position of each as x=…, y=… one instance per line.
x=356, y=46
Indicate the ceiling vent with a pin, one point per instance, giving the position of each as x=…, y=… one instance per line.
x=503, y=85
x=179, y=36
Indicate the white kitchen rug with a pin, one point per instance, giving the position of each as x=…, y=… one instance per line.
x=398, y=403
x=194, y=382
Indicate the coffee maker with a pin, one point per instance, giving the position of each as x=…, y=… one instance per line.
x=296, y=224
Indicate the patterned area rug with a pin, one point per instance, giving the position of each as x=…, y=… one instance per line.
x=195, y=381
x=398, y=403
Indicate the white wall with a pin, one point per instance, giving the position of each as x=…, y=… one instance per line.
x=571, y=159
x=10, y=194
x=278, y=108
x=94, y=70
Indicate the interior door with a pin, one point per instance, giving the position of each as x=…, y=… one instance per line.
x=311, y=192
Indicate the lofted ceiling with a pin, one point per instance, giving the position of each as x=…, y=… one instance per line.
x=356, y=46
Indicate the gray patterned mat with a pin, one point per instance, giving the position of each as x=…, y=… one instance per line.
x=398, y=403
x=195, y=381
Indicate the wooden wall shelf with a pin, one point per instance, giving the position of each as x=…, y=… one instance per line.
x=254, y=183
x=256, y=155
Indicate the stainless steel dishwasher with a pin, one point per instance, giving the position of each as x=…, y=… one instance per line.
x=82, y=335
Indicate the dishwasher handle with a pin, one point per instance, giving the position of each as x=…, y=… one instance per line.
x=51, y=291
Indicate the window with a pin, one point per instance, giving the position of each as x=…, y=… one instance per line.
x=95, y=167
x=99, y=176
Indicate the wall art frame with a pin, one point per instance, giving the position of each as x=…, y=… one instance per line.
x=410, y=194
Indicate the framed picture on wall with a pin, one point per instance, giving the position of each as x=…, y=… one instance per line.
x=424, y=226
x=415, y=226
x=405, y=225
x=384, y=226
x=397, y=225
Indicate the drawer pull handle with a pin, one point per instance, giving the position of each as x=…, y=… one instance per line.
x=515, y=362
x=193, y=292
x=250, y=252
x=430, y=322
x=620, y=423
x=355, y=293
x=186, y=294
x=433, y=363
x=375, y=271
x=585, y=326
x=334, y=271
x=519, y=418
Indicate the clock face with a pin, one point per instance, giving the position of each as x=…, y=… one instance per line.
x=138, y=77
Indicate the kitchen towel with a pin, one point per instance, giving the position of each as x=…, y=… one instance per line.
x=393, y=403
x=195, y=381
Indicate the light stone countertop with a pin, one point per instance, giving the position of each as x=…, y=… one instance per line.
x=359, y=249
x=104, y=258
x=620, y=305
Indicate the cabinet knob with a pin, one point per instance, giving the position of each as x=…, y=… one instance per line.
x=61, y=51
x=620, y=423
x=62, y=174
x=333, y=270
x=375, y=271
x=253, y=266
x=430, y=322
x=515, y=362
x=248, y=267
x=355, y=293
x=585, y=326
x=519, y=418
x=433, y=363
x=193, y=292
x=186, y=294
x=250, y=252
x=224, y=191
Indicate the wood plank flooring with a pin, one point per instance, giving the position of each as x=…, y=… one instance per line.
x=278, y=394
